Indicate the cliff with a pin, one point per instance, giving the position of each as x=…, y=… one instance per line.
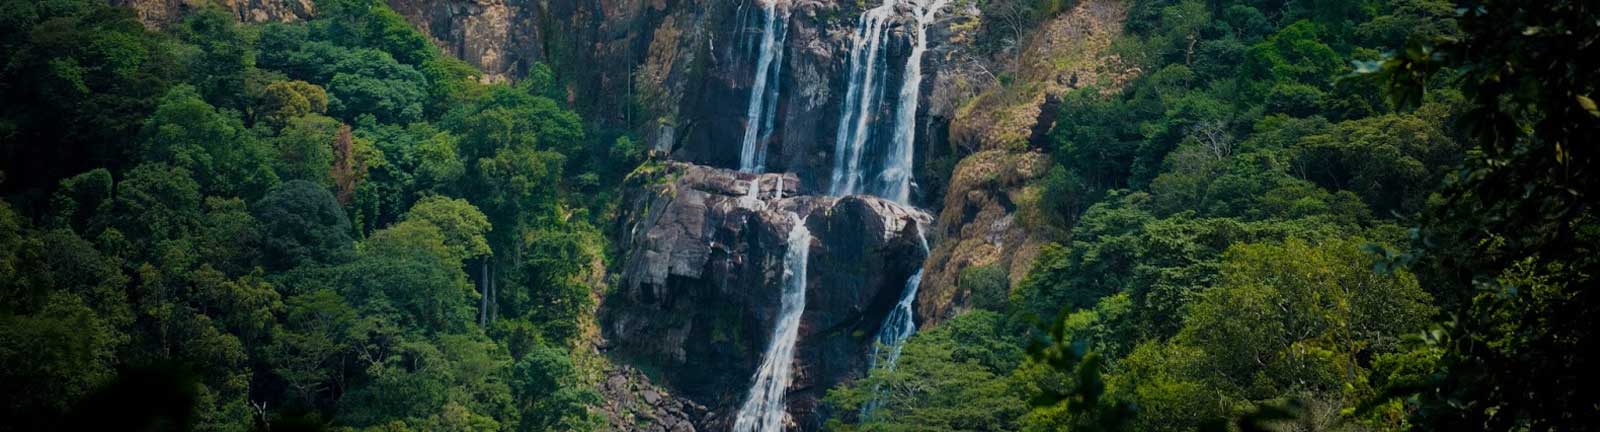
x=158, y=13
x=701, y=281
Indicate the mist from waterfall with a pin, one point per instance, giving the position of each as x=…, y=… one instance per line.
x=760, y=115
x=763, y=410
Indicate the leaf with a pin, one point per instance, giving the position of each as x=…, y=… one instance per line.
x=1588, y=105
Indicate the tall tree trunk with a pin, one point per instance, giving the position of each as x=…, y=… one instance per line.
x=484, y=285
x=493, y=302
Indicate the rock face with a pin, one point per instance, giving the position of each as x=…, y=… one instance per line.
x=158, y=13
x=500, y=37
x=986, y=219
x=696, y=79
x=633, y=403
x=701, y=282
x=679, y=72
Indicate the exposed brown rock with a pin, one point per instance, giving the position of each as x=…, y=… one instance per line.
x=1075, y=44
x=160, y=13
x=986, y=215
x=500, y=37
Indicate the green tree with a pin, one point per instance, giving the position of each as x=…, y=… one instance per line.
x=302, y=225
x=309, y=351
x=305, y=149
x=371, y=82
x=463, y=226
x=1511, y=237
x=551, y=280
x=1391, y=161
x=549, y=396
x=81, y=199
x=188, y=133
x=54, y=356
x=226, y=55
x=156, y=202
x=1294, y=320
x=285, y=100
x=408, y=274
x=953, y=377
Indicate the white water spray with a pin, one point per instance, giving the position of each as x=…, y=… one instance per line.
x=760, y=114
x=752, y=195
x=763, y=410
x=862, y=96
x=895, y=181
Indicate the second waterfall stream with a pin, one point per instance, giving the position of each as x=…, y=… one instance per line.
x=763, y=410
x=763, y=104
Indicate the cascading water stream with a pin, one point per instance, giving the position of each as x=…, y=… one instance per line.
x=760, y=114
x=898, y=326
x=894, y=182
x=763, y=410
x=862, y=95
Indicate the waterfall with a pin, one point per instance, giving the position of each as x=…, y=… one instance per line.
x=763, y=410
x=760, y=114
x=898, y=326
x=862, y=95
x=895, y=181
x=752, y=195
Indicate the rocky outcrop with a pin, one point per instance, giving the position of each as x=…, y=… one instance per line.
x=702, y=113
x=633, y=403
x=700, y=284
x=991, y=213
x=500, y=37
x=159, y=13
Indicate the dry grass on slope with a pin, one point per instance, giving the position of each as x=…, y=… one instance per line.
x=1071, y=51
x=991, y=201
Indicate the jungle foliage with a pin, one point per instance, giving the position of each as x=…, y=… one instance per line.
x=1304, y=215
x=326, y=224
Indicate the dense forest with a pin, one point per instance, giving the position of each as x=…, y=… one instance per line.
x=227, y=227
x=1307, y=215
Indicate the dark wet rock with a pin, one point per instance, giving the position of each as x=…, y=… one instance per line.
x=700, y=281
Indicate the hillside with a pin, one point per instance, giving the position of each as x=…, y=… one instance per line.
x=797, y=215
